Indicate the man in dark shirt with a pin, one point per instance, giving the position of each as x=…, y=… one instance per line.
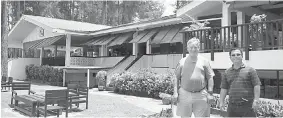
x=242, y=84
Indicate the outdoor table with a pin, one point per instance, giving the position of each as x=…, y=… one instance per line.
x=30, y=100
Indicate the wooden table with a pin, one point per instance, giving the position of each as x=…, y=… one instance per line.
x=30, y=100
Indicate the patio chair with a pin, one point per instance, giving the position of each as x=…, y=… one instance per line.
x=77, y=95
x=7, y=84
x=20, y=86
x=54, y=97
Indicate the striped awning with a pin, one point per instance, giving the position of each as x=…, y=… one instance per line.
x=158, y=38
x=107, y=41
x=43, y=42
x=139, y=37
x=170, y=35
x=121, y=39
x=94, y=41
x=100, y=41
x=148, y=36
x=27, y=45
x=178, y=38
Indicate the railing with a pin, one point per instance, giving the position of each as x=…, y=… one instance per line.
x=250, y=37
x=53, y=61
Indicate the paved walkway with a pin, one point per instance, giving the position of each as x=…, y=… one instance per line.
x=101, y=104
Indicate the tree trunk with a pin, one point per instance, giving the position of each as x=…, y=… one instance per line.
x=4, y=41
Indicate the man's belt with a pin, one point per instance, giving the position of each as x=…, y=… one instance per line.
x=197, y=91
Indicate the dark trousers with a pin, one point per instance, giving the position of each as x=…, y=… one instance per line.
x=243, y=109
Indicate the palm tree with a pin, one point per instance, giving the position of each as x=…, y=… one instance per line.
x=4, y=41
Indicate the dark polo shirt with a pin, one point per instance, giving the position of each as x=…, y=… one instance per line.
x=240, y=83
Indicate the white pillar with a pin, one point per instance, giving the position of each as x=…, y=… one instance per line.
x=88, y=76
x=41, y=55
x=148, y=47
x=226, y=20
x=103, y=50
x=135, y=49
x=68, y=50
x=241, y=20
x=64, y=77
x=226, y=15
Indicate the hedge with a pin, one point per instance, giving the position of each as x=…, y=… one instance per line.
x=45, y=74
x=144, y=83
x=147, y=83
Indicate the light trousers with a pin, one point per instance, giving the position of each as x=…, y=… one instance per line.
x=196, y=103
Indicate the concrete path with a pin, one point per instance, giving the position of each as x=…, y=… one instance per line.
x=101, y=104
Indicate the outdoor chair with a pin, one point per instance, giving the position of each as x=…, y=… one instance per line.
x=20, y=86
x=54, y=97
x=7, y=84
x=77, y=95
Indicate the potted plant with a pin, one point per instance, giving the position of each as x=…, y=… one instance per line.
x=256, y=30
x=102, y=78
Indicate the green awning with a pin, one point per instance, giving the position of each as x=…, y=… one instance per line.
x=139, y=37
x=158, y=38
x=148, y=36
x=170, y=35
x=107, y=41
x=49, y=41
x=178, y=38
x=123, y=38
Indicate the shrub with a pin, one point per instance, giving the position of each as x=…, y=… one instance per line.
x=44, y=73
x=144, y=82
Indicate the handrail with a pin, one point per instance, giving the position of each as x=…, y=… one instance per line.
x=133, y=62
x=265, y=35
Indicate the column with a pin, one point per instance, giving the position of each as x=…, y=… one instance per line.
x=68, y=50
x=41, y=55
x=84, y=51
x=55, y=50
x=103, y=50
x=241, y=20
x=148, y=47
x=225, y=21
x=64, y=77
x=88, y=76
x=135, y=49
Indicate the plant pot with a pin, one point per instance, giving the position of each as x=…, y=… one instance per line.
x=166, y=101
x=101, y=88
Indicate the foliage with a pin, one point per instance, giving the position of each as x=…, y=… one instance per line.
x=45, y=73
x=144, y=83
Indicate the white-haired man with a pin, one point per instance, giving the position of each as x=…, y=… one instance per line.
x=196, y=83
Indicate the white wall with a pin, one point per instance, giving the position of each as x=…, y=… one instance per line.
x=267, y=59
x=35, y=35
x=16, y=67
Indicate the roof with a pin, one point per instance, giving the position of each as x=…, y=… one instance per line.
x=66, y=24
x=139, y=26
x=27, y=24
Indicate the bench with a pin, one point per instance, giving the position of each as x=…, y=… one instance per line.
x=30, y=103
x=77, y=95
x=20, y=86
x=53, y=97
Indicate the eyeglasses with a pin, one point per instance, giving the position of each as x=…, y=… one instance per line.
x=233, y=55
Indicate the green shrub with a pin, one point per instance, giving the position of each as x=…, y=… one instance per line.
x=45, y=74
x=144, y=81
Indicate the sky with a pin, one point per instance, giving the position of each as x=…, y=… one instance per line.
x=169, y=7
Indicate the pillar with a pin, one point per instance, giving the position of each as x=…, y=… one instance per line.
x=64, y=77
x=68, y=50
x=55, y=50
x=148, y=47
x=135, y=49
x=241, y=20
x=88, y=76
x=225, y=21
x=103, y=50
x=41, y=55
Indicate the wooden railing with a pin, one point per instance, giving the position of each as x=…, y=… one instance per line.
x=250, y=37
x=53, y=61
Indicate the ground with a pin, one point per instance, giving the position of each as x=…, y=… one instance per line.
x=101, y=104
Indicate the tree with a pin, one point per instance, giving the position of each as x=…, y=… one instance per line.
x=4, y=41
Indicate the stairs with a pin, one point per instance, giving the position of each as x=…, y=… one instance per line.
x=121, y=66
